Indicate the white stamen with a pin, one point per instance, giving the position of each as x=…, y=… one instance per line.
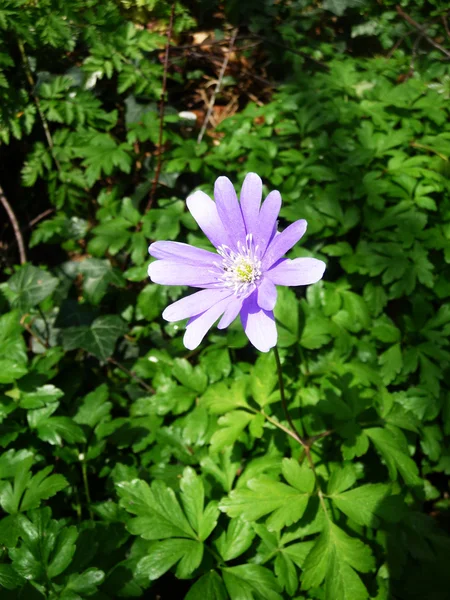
x=241, y=269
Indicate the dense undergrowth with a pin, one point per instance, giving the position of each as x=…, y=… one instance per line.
x=133, y=468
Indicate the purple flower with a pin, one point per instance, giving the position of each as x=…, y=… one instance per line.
x=240, y=278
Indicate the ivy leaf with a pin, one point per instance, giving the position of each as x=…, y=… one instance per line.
x=98, y=275
x=31, y=286
x=98, y=339
x=264, y=496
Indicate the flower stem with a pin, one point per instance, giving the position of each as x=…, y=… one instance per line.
x=306, y=443
x=299, y=438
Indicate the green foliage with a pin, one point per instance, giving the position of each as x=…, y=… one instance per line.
x=131, y=468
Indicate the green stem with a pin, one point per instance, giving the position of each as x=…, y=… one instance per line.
x=299, y=438
x=305, y=443
x=47, y=329
x=86, y=487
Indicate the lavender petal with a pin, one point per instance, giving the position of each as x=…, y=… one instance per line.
x=179, y=252
x=250, y=198
x=283, y=242
x=259, y=325
x=267, y=220
x=300, y=271
x=229, y=211
x=168, y=272
x=199, y=326
x=204, y=211
x=231, y=312
x=266, y=294
x=194, y=304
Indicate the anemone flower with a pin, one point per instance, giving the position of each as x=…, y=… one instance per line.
x=240, y=278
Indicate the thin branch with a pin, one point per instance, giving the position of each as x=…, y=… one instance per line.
x=31, y=332
x=15, y=225
x=31, y=83
x=304, y=55
x=141, y=382
x=398, y=43
x=432, y=150
x=445, y=22
x=422, y=30
x=36, y=220
x=218, y=86
x=162, y=106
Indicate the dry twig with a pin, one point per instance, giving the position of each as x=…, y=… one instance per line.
x=422, y=30
x=15, y=225
x=162, y=106
x=218, y=86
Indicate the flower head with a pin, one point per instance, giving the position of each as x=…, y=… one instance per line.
x=240, y=278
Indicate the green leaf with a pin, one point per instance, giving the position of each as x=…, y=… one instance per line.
x=27, y=490
x=247, y=582
x=395, y=454
x=46, y=548
x=286, y=313
x=158, y=513
x=101, y=155
x=191, y=377
x=11, y=370
x=335, y=556
x=361, y=503
x=216, y=363
x=85, y=583
x=98, y=339
x=220, y=398
x=41, y=396
x=286, y=573
x=231, y=427
x=193, y=498
x=56, y=429
x=41, y=487
x=391, y=363
x=94, y=408
x=31, y=286
x=9, y=579
x=264, y=495
x=236, y=539
x=208, y=587
x=263, y=379
x=162, y=556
